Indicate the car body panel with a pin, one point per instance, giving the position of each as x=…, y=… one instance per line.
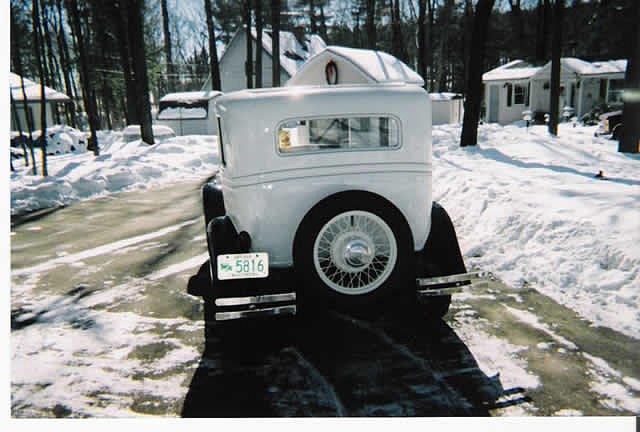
x=267, y=193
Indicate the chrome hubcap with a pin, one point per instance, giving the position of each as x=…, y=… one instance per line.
x=355, y=252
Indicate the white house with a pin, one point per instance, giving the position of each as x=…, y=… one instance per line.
x=32, y=93
x=518, y=86
x=293, y=54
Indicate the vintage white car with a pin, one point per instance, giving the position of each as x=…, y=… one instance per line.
x=323, y=199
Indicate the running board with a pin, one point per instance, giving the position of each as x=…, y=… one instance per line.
x=447, y=285
x=255, y=306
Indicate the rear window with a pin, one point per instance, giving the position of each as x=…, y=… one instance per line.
x=338, y=133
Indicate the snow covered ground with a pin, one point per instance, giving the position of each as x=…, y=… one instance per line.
x=121, y=166
x=526, y=206
x=529, y=208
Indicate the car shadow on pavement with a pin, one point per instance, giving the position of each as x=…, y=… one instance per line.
x=333, y=364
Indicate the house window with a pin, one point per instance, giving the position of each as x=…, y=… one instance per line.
x=519, y=95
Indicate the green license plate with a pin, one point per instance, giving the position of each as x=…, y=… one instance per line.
x=243, y=266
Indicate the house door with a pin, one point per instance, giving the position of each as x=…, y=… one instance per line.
x=494, y=101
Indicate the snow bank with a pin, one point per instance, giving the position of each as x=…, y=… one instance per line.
x=121, y=166
x=529, y=208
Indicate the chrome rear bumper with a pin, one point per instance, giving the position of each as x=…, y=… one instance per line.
x=447, y=285
x=229, y=308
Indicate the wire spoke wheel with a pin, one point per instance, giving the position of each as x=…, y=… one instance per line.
x=355, y=252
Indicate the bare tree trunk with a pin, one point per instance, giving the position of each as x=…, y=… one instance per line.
x=137, y=49
x=542, y=30
x=49, y=57
x=213, y=52
x=323, y=24
x=88, y=95
x=248, y=65
x=473, y=92
x=38, y=48
x=398, y=47
x=467, y=21
x=275, y=42
x=167, y=44
x=258, y=14
x=312, y=17
x=30, y=125
x=517, y=24
x=429, y=41
x=371, y=24
x=66, y=66
x=17, y=67
x=630, y=142
x=422, y=51
x=556, y=47
x=119, y=16
x=441, y=76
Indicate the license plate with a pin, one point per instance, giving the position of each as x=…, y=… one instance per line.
x=243, y=266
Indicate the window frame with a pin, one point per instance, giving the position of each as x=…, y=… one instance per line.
x=349, y=117
x=523, y=94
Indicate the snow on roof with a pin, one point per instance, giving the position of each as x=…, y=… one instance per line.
x=595, y=68
x=377, y=66
x=521, y=70
x=514, y=70
x=292, y=53
x=190, y=97
x=32, y=90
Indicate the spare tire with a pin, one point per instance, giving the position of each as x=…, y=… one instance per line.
x=353, y=251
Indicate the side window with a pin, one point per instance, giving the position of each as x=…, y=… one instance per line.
x=338, y=133
x=509, y=94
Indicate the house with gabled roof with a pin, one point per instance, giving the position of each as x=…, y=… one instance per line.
x=294, y=51
x=518, y=86
x=30, y=99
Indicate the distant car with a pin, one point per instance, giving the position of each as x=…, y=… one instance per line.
x=160, y=133
x=189, y=113
x=610, y=125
